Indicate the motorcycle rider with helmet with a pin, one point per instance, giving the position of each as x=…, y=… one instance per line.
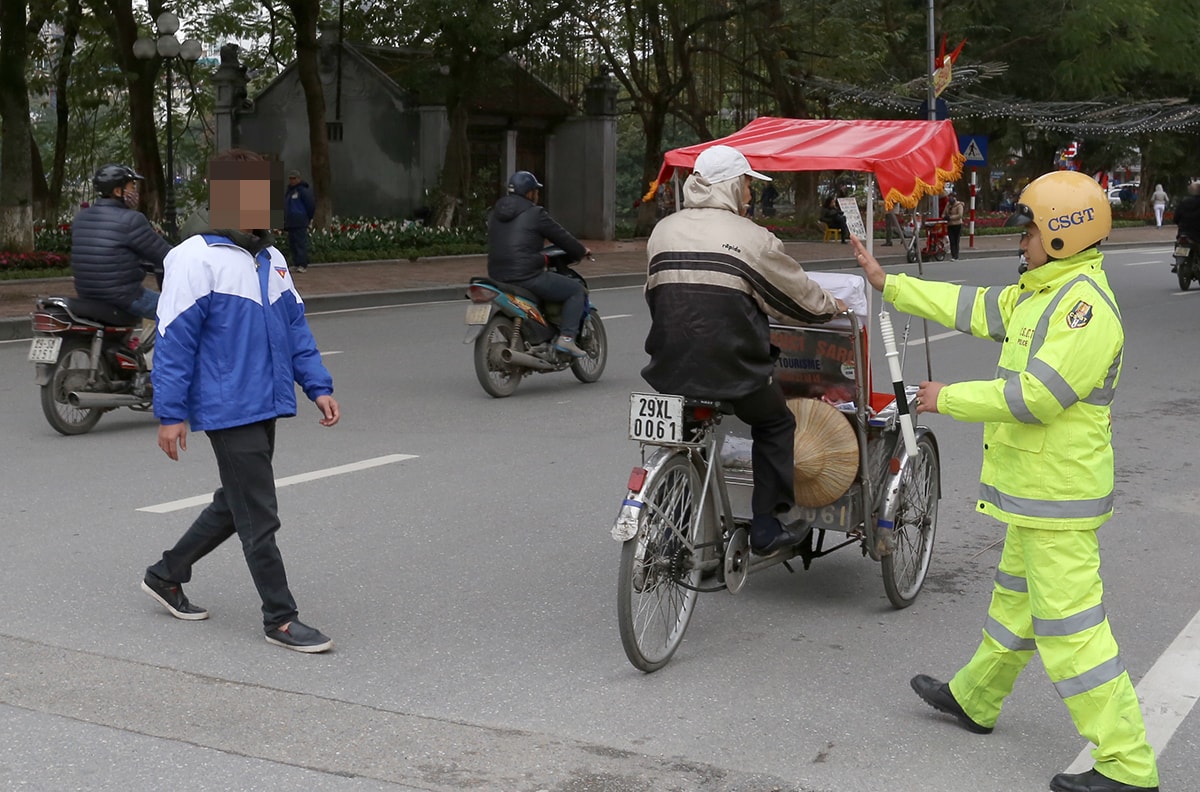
x=113, y=245
x=1048, y=472
x=517, y=231
x=1187, y=216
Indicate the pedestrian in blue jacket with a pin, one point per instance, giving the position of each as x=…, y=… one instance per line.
x=299, y=206
x=233, y=342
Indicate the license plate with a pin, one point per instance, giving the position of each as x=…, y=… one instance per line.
x=478, y=313
x=44, y=349
x=655, y=418
x=1182, y=251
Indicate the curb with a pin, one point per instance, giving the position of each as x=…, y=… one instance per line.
x=17, y=328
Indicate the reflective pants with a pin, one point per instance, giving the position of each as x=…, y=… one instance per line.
x=1047, y=598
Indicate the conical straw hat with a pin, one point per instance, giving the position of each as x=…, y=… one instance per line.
x=826, y=452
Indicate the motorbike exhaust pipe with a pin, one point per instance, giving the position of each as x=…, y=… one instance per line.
x=525, y=359
x=91, y=401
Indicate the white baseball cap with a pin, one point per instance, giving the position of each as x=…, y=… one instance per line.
x=722, y=163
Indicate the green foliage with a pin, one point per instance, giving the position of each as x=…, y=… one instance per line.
x=362, y=239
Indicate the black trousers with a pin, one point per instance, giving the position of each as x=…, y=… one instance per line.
x=244, y=504
x=772, y=429
x=955, y=232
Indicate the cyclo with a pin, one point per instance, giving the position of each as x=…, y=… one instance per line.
x=873, y=480
x=685, y=519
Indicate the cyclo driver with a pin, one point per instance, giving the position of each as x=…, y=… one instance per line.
x=113, y=245
x=716, y=279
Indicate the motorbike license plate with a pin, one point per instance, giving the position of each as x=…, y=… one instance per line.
x=478, y=313
x=655, y=418
x=1182, y=251
x=44, y=349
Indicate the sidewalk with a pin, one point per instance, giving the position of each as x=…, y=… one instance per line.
x=350, y=285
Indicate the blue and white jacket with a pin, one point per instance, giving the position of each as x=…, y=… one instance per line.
x=232, y=338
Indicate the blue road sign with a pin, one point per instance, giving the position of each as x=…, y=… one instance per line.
x=974, y=150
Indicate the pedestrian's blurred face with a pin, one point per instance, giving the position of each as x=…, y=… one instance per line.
x=241, y=195
x=746, y=194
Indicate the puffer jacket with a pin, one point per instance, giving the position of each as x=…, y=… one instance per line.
x=112, y=249
x=1047, y=425
x=715, y=281
x=517, y=231
x=233, y=340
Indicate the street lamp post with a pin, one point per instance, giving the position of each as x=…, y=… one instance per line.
x=167, y=47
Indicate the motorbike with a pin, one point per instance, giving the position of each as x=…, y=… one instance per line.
x=1187, y=261
x=90, y=357
x=514, y=332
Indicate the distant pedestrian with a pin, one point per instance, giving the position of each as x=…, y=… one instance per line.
x=299, y=206
x=954, y=221
x=1159, y=199
x=891, y=222
x=233, y=343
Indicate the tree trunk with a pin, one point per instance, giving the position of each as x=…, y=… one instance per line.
x=457, y=169
x=307, y=14
x=16, y=208
x=654, y=119
x=118, y=20
x=62, y=78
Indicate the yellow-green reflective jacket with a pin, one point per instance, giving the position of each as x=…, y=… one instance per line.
x=1047, y=428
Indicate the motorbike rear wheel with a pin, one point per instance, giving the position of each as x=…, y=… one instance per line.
x=70, y=373
x=498, y=378
x=594, y=341
x=1185, y=278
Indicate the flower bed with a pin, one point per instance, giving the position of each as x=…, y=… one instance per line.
x=345, y=239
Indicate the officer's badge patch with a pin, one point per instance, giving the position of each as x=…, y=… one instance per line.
x=1080, y=315
x=282, y=271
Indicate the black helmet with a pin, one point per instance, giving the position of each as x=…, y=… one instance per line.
x=112, y=176
x=522, y=182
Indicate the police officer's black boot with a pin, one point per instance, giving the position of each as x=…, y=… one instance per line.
x=937, y=695
x=1092, y=781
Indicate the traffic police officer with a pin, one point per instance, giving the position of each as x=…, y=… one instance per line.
x=1047, y=473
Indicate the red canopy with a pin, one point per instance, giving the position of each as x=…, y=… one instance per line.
x=910, y=159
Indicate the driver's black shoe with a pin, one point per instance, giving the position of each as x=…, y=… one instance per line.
x=937, y=695
x=1091, y=781
x=768, y=534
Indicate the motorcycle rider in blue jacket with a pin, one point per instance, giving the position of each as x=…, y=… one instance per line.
x=113, y=245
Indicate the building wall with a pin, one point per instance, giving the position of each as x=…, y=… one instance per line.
x=390, y=154
x=581, y=176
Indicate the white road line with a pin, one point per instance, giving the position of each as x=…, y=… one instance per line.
x=325, y=353
x=616, y=316
x=932, y=338
x=1142, y=263
x=300, y=478
x=1167, y=692
x=1184, y=294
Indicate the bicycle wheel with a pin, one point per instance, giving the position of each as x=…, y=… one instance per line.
x=656, y=583
x=915, y=525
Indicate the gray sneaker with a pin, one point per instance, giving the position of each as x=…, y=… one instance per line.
x=299, y=637
x=567, y=344
x=170, y=596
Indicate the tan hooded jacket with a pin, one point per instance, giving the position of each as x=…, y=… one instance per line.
x=715, y=281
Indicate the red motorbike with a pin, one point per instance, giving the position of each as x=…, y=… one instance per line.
x=90, y=358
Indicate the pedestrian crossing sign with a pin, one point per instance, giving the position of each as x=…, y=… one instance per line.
x=974, y=149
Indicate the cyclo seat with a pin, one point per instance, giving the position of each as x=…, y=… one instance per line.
x=102, y=312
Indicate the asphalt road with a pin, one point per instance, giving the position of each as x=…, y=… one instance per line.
x=468, y=581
